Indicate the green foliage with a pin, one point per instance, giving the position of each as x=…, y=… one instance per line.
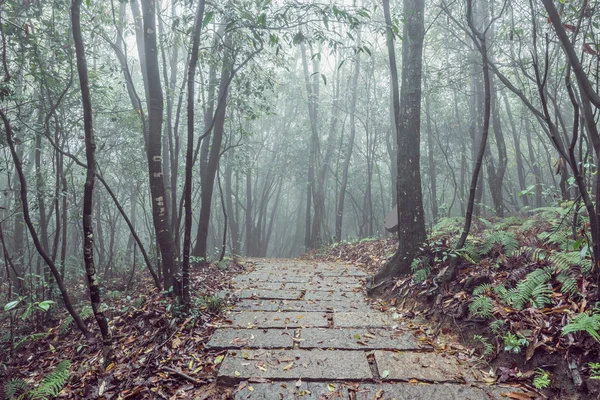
x=487, y=348
x=594, y=370
x=448, y=225
x=507, y=239
x=541, y=379
x=497, y=325
x=212, y=304
x=14, y=388
x=86, y=312
x=482, y=289
x=514, y=343
x=33, y=338
x=534, y=288
x=420, y=269
x=584, y=322
x=53, y=383
x=49, y=388
x=481, y=306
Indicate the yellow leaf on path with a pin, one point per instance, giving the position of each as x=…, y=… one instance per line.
x=236, y=373
x=331, y=387
x=250, y=388
x=110, y=367
x=219, y=359
x=287, y=367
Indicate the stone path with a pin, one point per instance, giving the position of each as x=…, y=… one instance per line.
x=304, y=330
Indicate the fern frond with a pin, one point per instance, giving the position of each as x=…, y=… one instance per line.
x=14, y=388
x=53, y=383
x=541, y=295
x=568, y=283
x=421, y=270
x=507, y=239
x=31, y=338
x=481, y=306
x=86, y=312
x=584, y=322
x=482, y=289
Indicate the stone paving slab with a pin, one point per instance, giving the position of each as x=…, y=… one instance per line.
x=403, y=366
x=258, y=305
x=317, y=284
x=260, y=319
x=325, y=306
x=386, y=391
x=333, y=295
x=260, y=285
x=280, y=294
x=251, y=339
x=371, y=319
x=357, y=339
x=267, y=277
x=294, y=364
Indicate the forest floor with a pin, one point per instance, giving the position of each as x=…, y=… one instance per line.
x=255, y=323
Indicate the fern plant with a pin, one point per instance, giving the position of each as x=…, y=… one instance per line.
x=481, y=306
x=487, y=348
x=49, y=388
x=541, y=379
x=507, y=239
x=86, y=312
x=14, y=388
x=420, y=269
x=585, y=322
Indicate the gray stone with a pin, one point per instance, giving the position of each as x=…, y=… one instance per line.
x=320, y=284
x=403, y=366
x=388, y=391
x=259, y=285
x=258, y=319
x=333, y=295
x=258, y=305
x=421, y=391
x=325, y=306
x=294, y=364
x=372, y=319
x=287, y=390
x=281, y=294
x=352, y=339
x=251, y=339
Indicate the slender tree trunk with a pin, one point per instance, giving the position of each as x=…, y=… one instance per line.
x=485, y=129
x=189, y=156
x=88, y=190
x=154, y=153
x=339, y=218
x=200, y=250
x=430, y=157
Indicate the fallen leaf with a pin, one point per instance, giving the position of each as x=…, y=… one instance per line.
x=287, y=367
x=385, y=374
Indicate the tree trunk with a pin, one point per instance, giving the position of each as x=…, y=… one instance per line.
x=485, y=128
x=88, y=189
x=407, y=117
x=200, y=250
x=154, y=151
x=189, y=156
x=339, y=218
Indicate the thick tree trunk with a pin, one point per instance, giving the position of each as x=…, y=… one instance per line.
x=154, y=151
x=407, y=116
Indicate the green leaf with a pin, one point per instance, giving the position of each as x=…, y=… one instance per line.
x=385, y=374
x=45, y=305
x=207, y=18
x=9, y=306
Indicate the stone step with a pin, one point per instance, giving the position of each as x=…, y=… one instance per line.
x=266, y=319
x=295, y=364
